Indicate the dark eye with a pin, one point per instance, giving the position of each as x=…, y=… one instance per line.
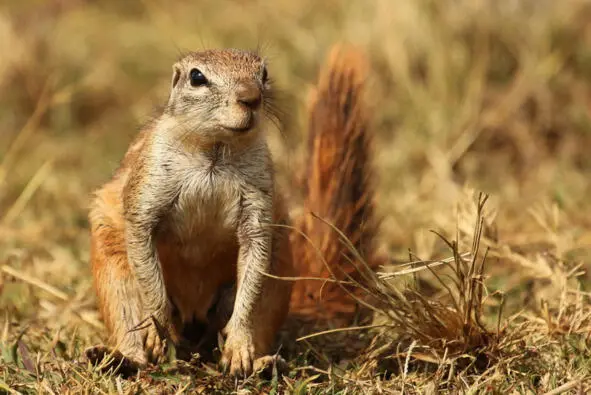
x=197, y=78
x=265, y=75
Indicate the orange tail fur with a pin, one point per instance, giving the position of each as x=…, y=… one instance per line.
x=338, y=188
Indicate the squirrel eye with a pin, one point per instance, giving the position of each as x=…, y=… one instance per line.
x=265, y=75
x=197, y=78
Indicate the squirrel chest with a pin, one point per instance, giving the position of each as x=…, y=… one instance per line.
x=197, y=239
x=203, y=219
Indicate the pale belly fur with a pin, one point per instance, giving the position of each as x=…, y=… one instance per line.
x=197, y=245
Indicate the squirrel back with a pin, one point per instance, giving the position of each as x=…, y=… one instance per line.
x=338, y=186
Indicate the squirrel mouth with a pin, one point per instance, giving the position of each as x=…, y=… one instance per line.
x=239, y=130
x=242, y=129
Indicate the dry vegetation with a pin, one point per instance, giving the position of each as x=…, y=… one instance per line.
x=467, y=95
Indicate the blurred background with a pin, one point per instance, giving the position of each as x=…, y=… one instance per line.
x=465, y=96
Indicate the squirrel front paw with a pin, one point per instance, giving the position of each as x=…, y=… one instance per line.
x=238, y=354
x=155, y=345
x=157, y=334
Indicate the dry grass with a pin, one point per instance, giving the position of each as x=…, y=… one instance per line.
x=467, y=95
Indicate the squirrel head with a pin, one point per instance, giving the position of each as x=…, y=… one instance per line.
x=221, y=94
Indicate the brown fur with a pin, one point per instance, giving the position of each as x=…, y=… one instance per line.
x=339, y=188
x=176, y=235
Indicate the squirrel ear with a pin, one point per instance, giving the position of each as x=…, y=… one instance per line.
x=176, y=75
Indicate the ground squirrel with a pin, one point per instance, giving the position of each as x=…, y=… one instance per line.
x=182, y=229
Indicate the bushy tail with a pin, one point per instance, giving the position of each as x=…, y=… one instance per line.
x=338, y=188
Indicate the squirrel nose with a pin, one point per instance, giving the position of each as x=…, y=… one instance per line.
x=249, y=95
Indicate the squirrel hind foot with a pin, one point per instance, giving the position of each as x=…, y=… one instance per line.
x=106, y=359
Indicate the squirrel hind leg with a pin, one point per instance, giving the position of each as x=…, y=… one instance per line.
x=118, y=298
x=273, y=311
